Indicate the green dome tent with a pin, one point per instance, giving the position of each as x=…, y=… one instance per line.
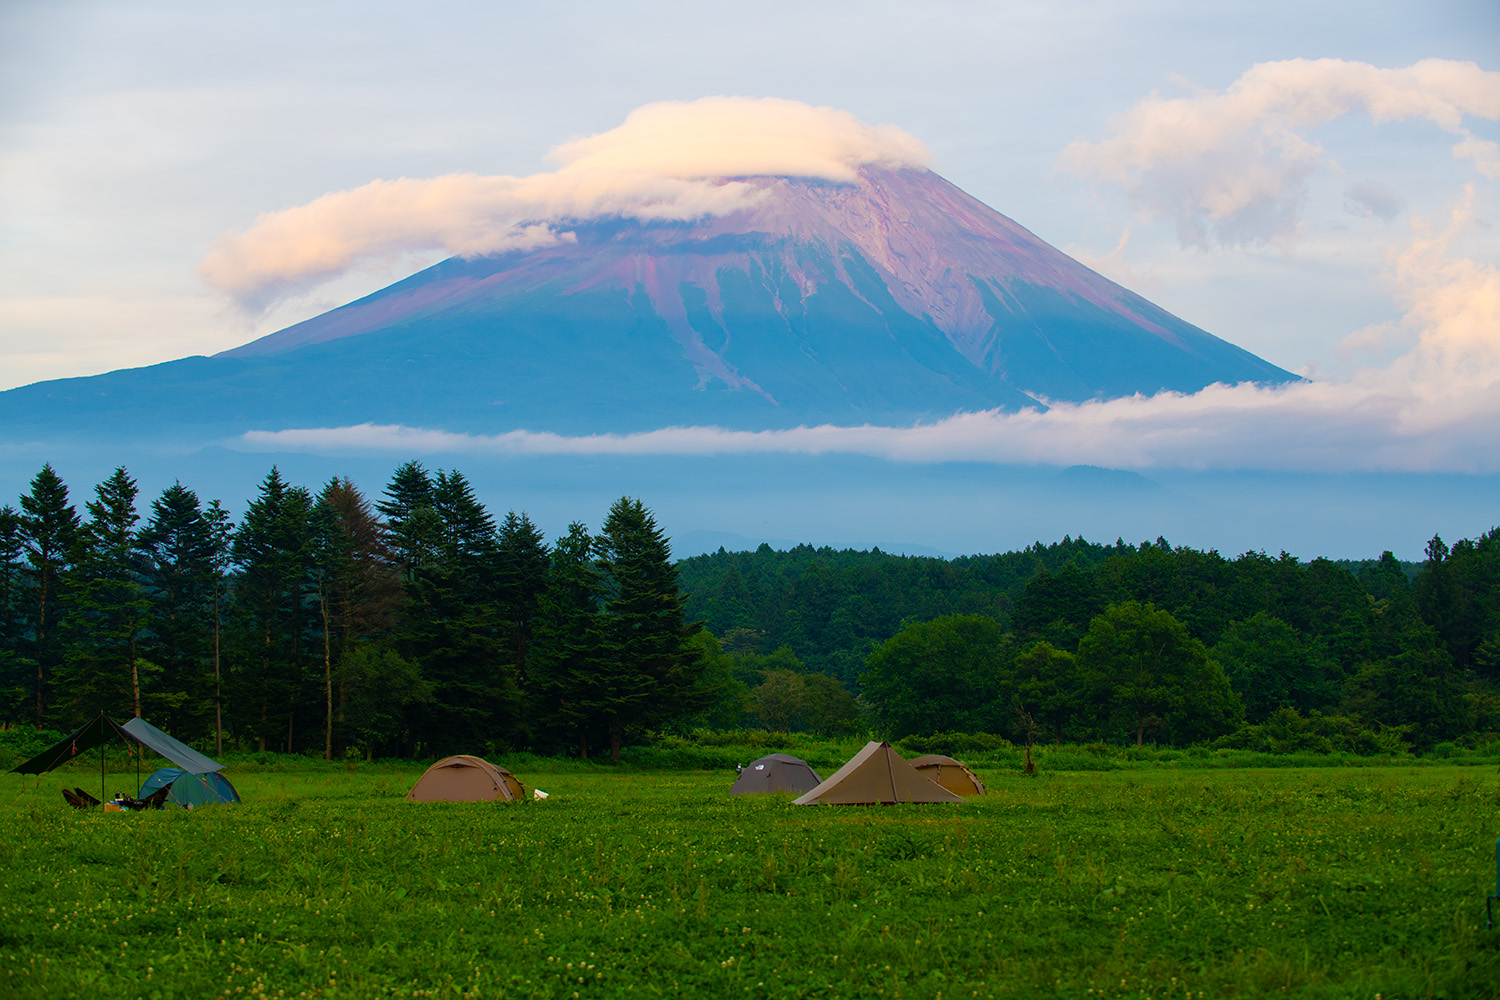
x=190, y=790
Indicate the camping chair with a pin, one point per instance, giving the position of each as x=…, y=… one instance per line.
x=74, y=800
x=88, y=800
x=155, y=800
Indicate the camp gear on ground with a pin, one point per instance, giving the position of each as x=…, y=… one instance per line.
x=190, y=791
x=951, y=774
x=877, y=775
x=97, y=731
x=777, y=772
x=465, y=779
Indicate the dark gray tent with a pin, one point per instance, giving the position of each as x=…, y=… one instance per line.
x=777, y=772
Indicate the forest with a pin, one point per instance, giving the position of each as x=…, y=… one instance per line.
x=418, y=623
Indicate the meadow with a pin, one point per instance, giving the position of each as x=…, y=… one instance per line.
x=1327, y=882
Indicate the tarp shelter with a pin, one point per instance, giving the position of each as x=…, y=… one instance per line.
x=102, y=728
x=877, y=775
x=465, y=779
x=190, y=790
x=951, y=774
x=777, y=772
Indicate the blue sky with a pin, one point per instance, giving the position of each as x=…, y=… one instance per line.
x=132, y=136
x=1351, y=243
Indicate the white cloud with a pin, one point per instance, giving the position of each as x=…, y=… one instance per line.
x=742, y=137
x=1232, y=168
x=672, y=160
x=1435, y=409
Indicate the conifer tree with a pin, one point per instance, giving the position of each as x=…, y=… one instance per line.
x=358, y=586
x=179, y=574
x=411, y=517
x=652, y=666
x=520, y=574
x=452, y=628
x=49, y=532
x=221, y=539
x=108, y=607
x=567, y=659
x=12, y=665
x=271, y=550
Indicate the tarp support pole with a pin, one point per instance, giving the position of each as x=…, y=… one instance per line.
x=1489, y=920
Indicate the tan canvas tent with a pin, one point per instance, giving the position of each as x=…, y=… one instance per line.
x=877, y=775
x=465, y=779
x=951, y=774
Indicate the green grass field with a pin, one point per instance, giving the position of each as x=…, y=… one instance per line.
x=1326, y=882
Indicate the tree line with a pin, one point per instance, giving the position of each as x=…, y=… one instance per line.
x=325, y=622
x=420, y=624
x=1081, y=641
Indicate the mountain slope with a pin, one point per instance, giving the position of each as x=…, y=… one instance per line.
x=895, y=299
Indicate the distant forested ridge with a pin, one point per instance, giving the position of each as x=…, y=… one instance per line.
x=418, y=623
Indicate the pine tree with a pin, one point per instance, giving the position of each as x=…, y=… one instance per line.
x=567, y=657
x=180, y=577
x=12, y=664
x=411, y=517
x=452, y=628
x=358, y=587
x=468, y=530
x=108, y=607
x=49, y=532
x=221, y=539
x=520, y=575
x=652, y=664
x=271, y=550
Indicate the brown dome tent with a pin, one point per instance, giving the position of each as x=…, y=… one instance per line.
x=951, y=774
x=877, y=775
x=777, y=772
x=465, y=779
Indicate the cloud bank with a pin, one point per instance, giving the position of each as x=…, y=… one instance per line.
x=674, y=160
x=1232, y=168
x=1435, y=409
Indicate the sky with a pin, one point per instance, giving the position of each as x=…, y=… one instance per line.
x=1314, y=182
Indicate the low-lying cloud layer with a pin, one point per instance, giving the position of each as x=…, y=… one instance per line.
x=1232, y=168
x=667, y=161
x=1436, y=409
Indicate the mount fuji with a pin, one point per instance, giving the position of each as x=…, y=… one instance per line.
x=892, y=298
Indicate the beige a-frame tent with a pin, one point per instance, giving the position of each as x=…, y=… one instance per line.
x=877, y=775
x=465, y=779
x=951, y=774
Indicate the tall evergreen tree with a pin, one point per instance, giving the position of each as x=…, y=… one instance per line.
x=520, y=575
x=12, y=665
x=179, y=575
x=358, y=588
x=108, y=607
x=411, y=518
x=567, y=661
x=221, y=541
x=652, y=663
x=271, y=550
x=468, y=530
x=49, y=533
x=452, y=629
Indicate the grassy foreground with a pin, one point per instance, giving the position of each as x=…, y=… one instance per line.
x=1307, y=883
